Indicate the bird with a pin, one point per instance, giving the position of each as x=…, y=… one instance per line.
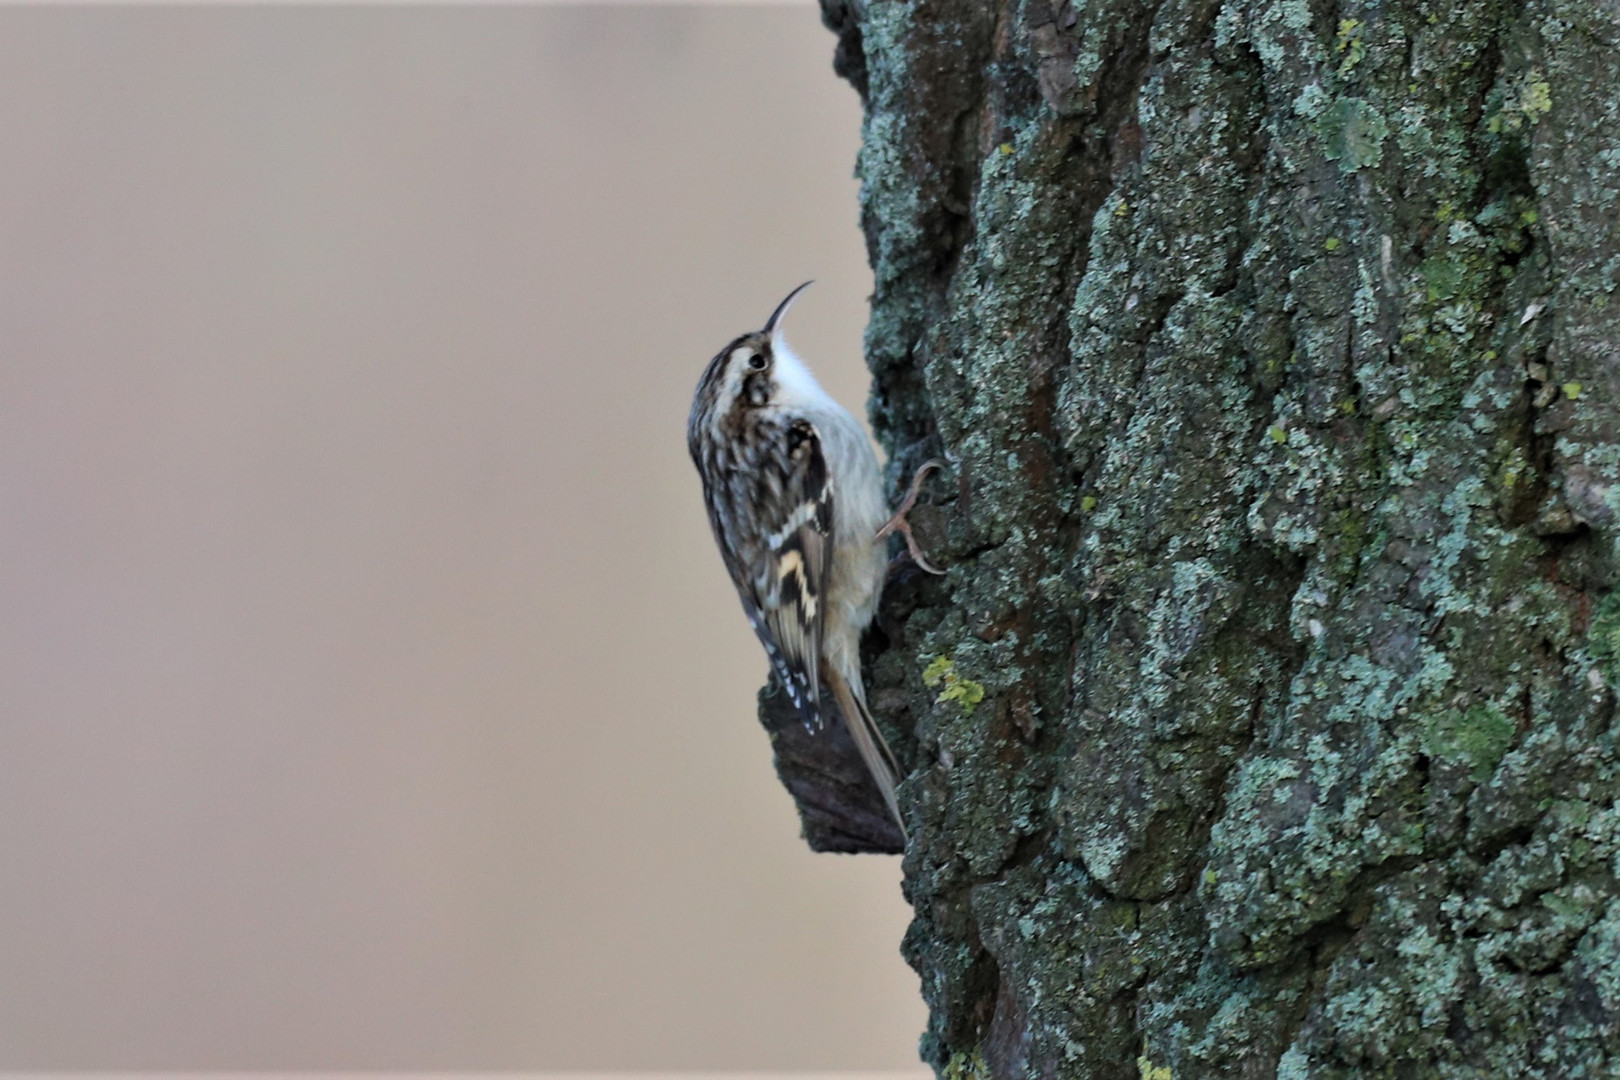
x=795, y=498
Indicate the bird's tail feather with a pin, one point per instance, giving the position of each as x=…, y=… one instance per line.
x=874, y=749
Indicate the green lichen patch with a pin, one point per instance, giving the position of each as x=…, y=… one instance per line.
x=1478, y=737
x=1443, y=277
x=1353, y=134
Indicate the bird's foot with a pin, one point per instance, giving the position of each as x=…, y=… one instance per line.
x=899, y=524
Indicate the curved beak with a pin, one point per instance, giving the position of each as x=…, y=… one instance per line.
x=774, y=322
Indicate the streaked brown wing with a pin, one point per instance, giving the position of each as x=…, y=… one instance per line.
x=783, y=579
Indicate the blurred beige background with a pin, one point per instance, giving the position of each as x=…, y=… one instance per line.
x=370, y=693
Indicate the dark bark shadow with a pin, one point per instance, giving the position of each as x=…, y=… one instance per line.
x=840, y=808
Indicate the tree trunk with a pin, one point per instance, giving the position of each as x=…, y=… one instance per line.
x=1263, y=724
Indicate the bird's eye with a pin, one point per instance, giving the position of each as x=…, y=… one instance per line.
x=757, y=361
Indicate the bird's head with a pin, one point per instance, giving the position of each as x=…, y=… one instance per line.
x=755, y=370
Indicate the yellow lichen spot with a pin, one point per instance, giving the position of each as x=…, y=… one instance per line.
x=1211, y=877
x=1088, y=503
x=1536, y=100
x=1149, y=1071
x=1350, y=44
x=1572, y=390
x=1532, y=101
x=941, y=671
x=965, y=692
x=1006, y=149
x=1122, y=209
x=1276, y=434
x=1332, y=243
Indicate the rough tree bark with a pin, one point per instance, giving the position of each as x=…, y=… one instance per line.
x=1265, y=722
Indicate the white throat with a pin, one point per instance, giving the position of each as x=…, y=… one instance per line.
x=796, y=386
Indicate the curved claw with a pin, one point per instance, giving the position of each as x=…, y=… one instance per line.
x=899, y=524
